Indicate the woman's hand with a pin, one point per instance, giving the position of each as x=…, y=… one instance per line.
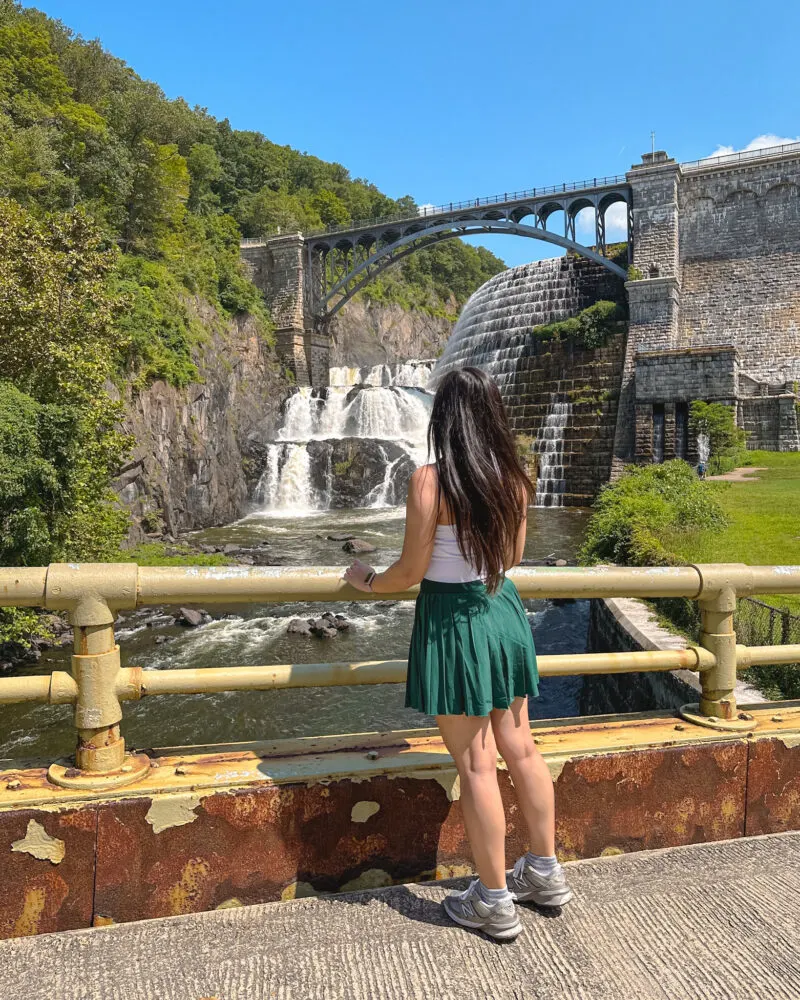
x=357, y=574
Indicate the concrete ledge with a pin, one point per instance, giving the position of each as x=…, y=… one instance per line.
x=625, y=623
x=230, y=826
x=708, y=922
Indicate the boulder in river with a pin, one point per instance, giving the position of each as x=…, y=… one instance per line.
x=190, y=617
x=297, y=626
x=357, y=546
x=339, y=538
x=323, y=628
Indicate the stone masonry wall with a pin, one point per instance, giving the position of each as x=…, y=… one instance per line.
x=770, y=422
x=590, y=379
x=708, y=373
x=740, y=264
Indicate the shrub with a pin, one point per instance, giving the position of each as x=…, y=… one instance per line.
x=592, y=327
x=633, y=515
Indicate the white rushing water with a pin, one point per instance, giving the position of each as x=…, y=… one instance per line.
x=385, y=405
x=550, y=482
x=703, y=447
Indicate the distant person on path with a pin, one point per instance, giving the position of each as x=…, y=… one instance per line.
x=701, y=470
x=472, y=663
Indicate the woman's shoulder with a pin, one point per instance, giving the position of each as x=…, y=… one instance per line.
x=424, y=484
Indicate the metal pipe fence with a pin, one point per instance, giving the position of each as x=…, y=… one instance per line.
x=97, y=685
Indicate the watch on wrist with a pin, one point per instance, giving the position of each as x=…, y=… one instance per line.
x=369, y=578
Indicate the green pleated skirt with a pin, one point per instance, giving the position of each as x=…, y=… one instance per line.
x=471, y=651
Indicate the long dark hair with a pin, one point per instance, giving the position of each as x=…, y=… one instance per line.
x=483, y=485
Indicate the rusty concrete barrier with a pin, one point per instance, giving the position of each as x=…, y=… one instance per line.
x=218, y=827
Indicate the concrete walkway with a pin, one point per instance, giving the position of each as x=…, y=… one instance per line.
x=708, y=922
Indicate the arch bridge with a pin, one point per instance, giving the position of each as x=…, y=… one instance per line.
x=340, y=261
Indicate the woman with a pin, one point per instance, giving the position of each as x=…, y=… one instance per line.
x=472, y=663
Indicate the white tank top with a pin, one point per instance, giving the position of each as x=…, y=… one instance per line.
x=447, y=565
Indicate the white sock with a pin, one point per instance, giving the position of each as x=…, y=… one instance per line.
x=492, y=896
x=543, y=865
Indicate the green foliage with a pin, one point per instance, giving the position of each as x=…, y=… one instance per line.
x=726, y=440
x=634, y=517
x=591, y=328
x=342, y=468
x=21, y=625
x=158, y=554
x=59, y=443
x=174, y=186
x=634, y=274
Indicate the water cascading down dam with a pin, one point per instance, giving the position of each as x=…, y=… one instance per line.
x=354, y=443
x=564, y=397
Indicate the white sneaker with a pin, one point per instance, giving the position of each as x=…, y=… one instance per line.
x=527, y=886
x=469, y=909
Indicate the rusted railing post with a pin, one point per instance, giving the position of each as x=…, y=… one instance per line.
x=717, y=705
x=87, y=593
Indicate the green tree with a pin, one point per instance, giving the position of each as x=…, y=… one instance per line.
x=329, y=207
x=158, y=196
x=56, y=318
x=726, y=441
x=204, y=169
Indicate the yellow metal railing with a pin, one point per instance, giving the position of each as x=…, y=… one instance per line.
x=93, y=594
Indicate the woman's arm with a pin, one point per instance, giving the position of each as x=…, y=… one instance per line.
x=422, y=513
x=522, y=534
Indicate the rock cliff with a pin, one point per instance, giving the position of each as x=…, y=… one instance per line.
x=367, y=333
x=199, y=450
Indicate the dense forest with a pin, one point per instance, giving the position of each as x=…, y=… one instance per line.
x=119, y=211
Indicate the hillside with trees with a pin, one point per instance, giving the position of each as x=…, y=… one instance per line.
x=120, y=218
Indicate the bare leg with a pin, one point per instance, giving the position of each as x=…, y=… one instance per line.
x=531, y=777
x=471, y=744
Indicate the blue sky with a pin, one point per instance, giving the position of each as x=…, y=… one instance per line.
x=451, y=100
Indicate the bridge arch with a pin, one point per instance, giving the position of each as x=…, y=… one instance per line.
x=355, y=262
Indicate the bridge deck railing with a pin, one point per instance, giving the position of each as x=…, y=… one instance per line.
x=430, y=211
x=93, y=594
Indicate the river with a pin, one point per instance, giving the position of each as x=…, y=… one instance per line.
x=257, y=634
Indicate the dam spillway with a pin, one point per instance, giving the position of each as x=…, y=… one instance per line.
x=560, y=395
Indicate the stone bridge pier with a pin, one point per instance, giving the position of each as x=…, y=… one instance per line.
x=277, y=266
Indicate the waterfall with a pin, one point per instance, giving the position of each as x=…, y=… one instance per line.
x=286, y=482
x=410, y=374
x=550, y=481
x=376, y=416
x=703, y=447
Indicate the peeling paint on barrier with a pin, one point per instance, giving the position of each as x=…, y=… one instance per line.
x=32, y=909
x=372, y=878
x=789, y=740
x=448, y=779
x=555, y=765
x=173, y=810
x=362, y=811
x=38, y=842
x=298, y=890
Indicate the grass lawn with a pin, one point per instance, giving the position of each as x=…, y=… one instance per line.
x=764, y=522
